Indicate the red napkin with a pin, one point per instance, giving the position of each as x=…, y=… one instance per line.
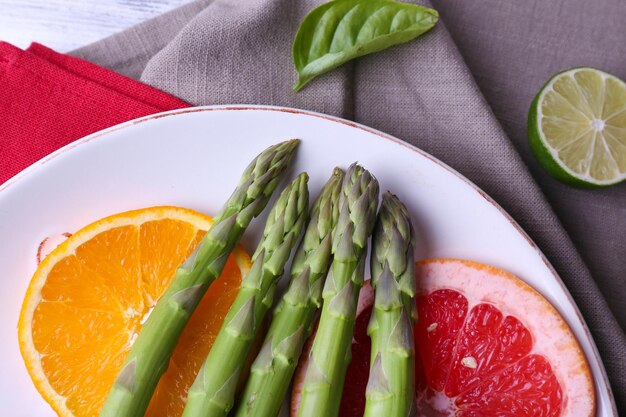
x=48, y=100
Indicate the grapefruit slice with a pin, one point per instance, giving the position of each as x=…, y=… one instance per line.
x=487, y=344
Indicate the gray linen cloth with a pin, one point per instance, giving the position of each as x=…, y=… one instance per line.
x=460, y=93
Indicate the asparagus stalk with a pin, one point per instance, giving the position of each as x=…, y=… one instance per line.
x=150, y=354
x=391, y=386
x=293, y=317
x=331, y=352
x=213, y=392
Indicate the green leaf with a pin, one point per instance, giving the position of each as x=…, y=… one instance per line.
x=341, y=30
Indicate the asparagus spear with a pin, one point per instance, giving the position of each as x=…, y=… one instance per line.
x=293, y=317
x=213, y=392
x=150, y=354
x=391, y=386
x=331, y=352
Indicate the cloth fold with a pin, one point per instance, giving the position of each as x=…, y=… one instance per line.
x=48, y=100
x=424, y=93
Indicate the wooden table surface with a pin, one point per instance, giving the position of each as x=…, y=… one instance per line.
x=67, y=24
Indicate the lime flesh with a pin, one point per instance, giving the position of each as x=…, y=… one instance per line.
x=577, y=127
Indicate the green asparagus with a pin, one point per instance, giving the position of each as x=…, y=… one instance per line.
x=213, y=392
x=331, y=352
x=293, y=318
x=151, y=351
x=391, y=386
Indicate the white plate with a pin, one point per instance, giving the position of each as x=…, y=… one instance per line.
x=194, y=157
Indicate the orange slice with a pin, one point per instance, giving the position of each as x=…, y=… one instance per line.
x=487, y=345
x=89, y=297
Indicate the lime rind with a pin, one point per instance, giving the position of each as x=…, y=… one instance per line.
x=548, y=156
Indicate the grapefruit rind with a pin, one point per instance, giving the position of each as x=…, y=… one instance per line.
x=32, y=357
x=486, y=284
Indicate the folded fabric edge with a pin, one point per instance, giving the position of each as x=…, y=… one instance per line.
x=129, y=87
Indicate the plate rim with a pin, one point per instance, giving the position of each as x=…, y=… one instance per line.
x=16, y=179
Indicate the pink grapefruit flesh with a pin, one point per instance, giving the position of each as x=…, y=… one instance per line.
x=487, y=344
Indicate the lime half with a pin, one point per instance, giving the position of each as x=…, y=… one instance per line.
x=577, y=127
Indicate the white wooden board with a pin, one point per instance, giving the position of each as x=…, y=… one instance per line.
x=64, y=25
